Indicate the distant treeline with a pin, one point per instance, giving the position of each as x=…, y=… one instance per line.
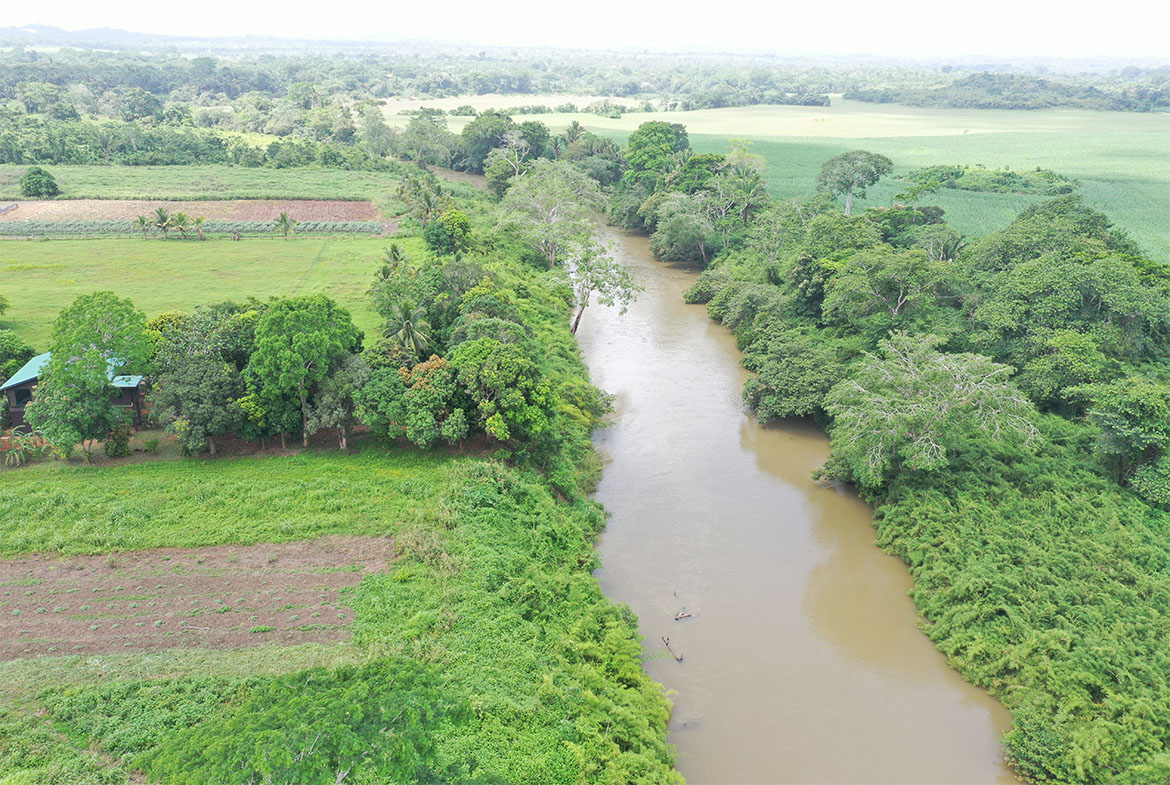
x=1020, y=91
x=44, y=140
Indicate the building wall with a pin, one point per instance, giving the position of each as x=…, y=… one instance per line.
x=128, y=397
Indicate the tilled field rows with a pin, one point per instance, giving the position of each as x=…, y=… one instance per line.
x=225, y=210
x=222, y=597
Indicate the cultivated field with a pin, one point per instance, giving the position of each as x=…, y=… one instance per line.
x=201, y=183
x=220, y=210
x=1120, y=158
x=42, y=277
x=225, y=597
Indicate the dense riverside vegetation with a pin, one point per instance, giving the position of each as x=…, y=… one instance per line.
x=486, y=653
x=1002, y=402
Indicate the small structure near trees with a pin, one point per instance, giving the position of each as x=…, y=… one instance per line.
x=19, y=390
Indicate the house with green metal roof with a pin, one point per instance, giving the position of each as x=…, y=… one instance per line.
x=19, y=390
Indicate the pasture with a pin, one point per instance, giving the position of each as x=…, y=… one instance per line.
x=43, y=276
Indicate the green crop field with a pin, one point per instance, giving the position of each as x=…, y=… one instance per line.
x=184, y=183
x=1122, y=159
x=43, y=276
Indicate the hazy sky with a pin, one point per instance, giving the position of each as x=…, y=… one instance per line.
x=1136, y=28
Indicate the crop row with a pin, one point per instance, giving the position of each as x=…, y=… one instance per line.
x=104, y=228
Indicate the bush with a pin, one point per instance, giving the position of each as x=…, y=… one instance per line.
x=118, y=442
x=38, y=184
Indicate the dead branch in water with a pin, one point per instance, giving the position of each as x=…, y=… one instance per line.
x=666, y=643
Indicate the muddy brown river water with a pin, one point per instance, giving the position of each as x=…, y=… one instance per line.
x=801, y=659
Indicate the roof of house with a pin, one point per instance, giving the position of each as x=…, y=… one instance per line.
x=32, y=370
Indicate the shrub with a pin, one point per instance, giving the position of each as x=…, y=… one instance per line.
x=38, y=184
x=118, y=442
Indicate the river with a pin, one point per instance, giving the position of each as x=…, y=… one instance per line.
x=801, y=659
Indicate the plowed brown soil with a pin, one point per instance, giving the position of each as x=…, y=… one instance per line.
x=220, y=210
x=221, y=597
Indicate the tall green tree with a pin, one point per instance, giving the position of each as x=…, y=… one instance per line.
x=73, y=402
x=909, y=407
x=409, y=328
x=512, y=399
x=482, y=135
x=593, y=271
x=197, y=399
x=108, y=324
x=651, y=148
x=299, y=340
x=553, y=208
x=849, y=174
x=334, y=400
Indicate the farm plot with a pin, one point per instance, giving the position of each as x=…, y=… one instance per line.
x=218, y=598
x=224, y=210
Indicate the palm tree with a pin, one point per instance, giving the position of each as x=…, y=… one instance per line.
x=199, y=226
x=182, y=222
x=163, y=221
x=142, y=224
x=285, y=225
x=408, y=327
x=573, y=132
x=393, y=254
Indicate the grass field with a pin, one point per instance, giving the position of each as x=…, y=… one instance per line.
x=40, y=277
x=193, y=183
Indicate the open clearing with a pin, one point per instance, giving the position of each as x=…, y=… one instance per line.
x=219, y=597
x=43, y=276
x=219, y=210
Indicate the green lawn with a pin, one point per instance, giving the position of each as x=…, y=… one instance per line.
x=40, y=277
x=212, y=182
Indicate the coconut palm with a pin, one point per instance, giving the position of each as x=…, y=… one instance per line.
x=142, y=224
x=573, y=132
x=393, y=254
x=163, y=221
x=285, y=225
x=182, y=222
x=198, y=223
x=408, y=327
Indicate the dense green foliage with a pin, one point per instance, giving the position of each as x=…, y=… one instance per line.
x=987, y=90
x=1000, y=181
x=36, y=183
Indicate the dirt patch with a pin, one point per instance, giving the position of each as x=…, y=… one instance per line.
x=228, y=596
x=219, y=210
